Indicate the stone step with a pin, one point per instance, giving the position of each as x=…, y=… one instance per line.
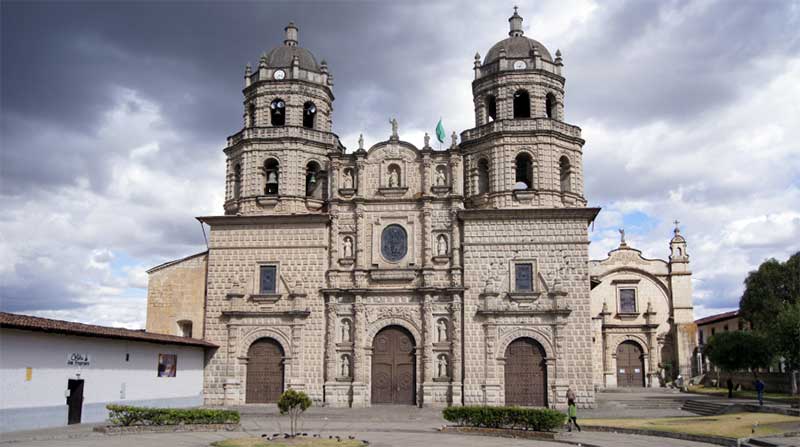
x=703, y=408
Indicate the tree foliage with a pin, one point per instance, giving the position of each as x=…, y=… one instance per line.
x=293, y=403
x=771, y=290
x=739, y=350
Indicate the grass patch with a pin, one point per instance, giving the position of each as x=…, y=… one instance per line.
x=744, y=394
x=737, y=425
x=295, y=442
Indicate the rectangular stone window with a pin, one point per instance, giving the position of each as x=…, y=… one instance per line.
x=627, y=301
x=523, y=277
x=267, y=279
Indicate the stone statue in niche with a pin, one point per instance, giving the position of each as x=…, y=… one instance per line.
x=345, y=331
x=347, y=248
x=345, y=366
x=348, y=179
x=441, y=177
x=442, y=366
x=394, y=177
x=441, y=331
x=441, y=245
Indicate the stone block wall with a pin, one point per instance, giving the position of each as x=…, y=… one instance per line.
x=176, y=292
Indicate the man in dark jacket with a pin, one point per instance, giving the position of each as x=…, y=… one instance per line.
x=730, y=388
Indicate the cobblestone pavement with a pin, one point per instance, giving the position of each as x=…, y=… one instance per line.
x=381, y=425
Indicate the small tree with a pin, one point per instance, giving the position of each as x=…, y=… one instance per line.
x=739, y=350
x=293, y=403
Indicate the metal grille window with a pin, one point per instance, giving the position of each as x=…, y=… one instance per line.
x=627, y=301
x=523, y=277
x=267, y=282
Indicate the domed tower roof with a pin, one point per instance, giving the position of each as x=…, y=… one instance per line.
x=516, y=45
x=282, y=56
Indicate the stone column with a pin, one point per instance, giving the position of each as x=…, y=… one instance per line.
x=426, y=237
x=456, y=175
x=359, y=178
x=333, y=253
x=361, y=366
x=427, y=339
x=330, y=338
x=361, y=236
x=456, y=325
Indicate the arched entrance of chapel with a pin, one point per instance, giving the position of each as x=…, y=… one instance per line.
x=393, y=367
x=630, y=364
x=264, y=371
x=525, y=373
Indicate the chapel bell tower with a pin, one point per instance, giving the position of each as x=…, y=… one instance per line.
x=277, y=163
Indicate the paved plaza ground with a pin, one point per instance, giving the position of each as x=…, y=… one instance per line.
x=385, y=426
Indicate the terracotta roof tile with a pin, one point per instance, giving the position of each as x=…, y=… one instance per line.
x=29, y=323
x=717, y=317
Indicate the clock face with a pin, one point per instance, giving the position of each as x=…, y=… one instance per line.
x=279, y=74
x=520, y=65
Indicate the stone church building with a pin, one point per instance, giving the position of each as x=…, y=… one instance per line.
x=408, y=275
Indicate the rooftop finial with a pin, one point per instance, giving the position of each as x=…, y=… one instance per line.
x=677, y=229
x=292, y=33
x=515, y=22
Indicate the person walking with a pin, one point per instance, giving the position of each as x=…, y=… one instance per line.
x=760, y=391
x=730, y=388
x=573, y=416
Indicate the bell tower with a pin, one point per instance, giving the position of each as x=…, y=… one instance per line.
x=521, y=153
x=277, y=163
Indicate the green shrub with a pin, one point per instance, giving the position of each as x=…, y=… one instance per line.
x=293, y=403
x=126, y=415
x=536, y=419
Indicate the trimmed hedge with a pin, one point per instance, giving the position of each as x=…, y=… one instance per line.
x=536, y=419
x=125, y=415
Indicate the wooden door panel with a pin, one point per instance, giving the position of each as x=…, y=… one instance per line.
x=393, y=367
x=264, y=372
x=630, y=365
x=525, y=374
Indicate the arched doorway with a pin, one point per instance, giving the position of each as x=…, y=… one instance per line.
x=264, y=372
x=630, y=364
x=526, y=374
x=393, y=367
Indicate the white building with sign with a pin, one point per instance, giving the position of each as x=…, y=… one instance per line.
x=55, y=373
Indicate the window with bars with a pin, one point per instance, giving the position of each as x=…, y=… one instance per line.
x=268, y=279
x=523, y=277
x=627, y=301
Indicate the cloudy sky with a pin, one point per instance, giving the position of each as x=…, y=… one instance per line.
x=114, y=116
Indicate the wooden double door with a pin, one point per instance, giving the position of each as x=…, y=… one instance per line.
x=526, y=374
x=264, y=372
x=630, y=365
x=393, y=367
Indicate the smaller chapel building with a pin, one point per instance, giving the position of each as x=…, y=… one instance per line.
x=642, y=315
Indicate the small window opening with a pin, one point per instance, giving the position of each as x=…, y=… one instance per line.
x=272, y=172
x=524, y=172
x=185, y=328
x=550, y=106
x=522, y=104
x=312, y=178
x=491, y=108
x=565, y=174
x=251, y=115
x=483, y=176
x=277, y=112
x=237, y=181
x=309, y=114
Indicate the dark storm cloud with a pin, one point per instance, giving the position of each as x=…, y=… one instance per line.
x=639, y=61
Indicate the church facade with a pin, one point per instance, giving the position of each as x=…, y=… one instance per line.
x=396, y=273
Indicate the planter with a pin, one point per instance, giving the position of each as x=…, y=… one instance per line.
x=500, y=432
x=135, y=429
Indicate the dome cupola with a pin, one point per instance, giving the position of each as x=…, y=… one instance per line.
x=284, y=55
x=517, y=46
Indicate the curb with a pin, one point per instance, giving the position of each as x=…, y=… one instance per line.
x=183, y=428
x=718, y=440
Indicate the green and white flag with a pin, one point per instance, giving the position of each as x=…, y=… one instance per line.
x=440, y=132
